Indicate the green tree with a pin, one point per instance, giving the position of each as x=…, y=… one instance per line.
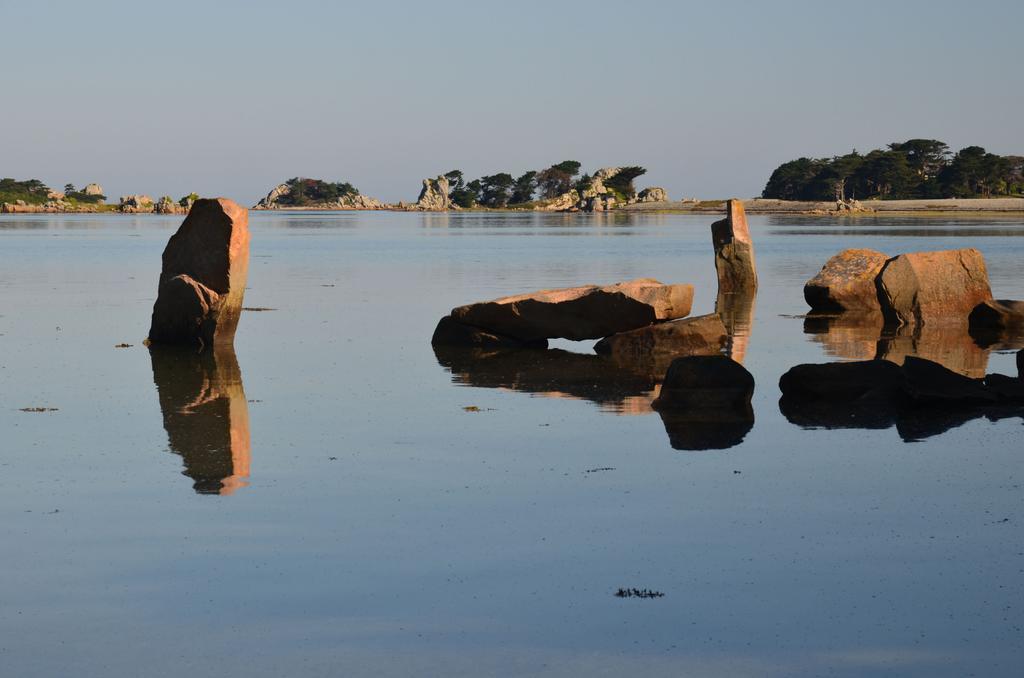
x=496, y=189
x=524, y=188
x=557, y=179
x=622, y=183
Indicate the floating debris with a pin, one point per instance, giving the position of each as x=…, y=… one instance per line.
x=638, y=593
x=122, y=345
x=471, y=408
x=257, y=308
x=600, y=468
x=38, y=409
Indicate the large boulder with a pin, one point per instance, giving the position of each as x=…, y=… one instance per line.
x=93, y=189
x=434, y=195
x=847, y=282
x=202, y=282
x=272, y=200
x=734, y=251
x=653, y=348
x=705, y=383
x=567, y=202
x=588, y=312
x=938, y=287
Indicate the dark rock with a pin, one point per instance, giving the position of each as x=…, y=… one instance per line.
x=578, y=313
x=705, y=382
x=996, y=316
x=652, y=348
x=450, y=332
x=205, y=264
x=847, y=282
x=1007, y=389
x=927, y=381
x=878, y=379
x=734, y=250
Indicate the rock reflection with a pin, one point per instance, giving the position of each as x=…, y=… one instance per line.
x=865, y=337
x=913, y=423
x=737, y=313
x=553, y=373
x=205, y=414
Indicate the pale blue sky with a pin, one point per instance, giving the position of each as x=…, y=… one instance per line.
x=230, y=98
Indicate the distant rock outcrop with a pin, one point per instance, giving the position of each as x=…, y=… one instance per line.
x=93, y=189
x=434, y=195
x=134, y=204
x=652, y=194
x=202, y=282
x=166, y=205
x=277, y=199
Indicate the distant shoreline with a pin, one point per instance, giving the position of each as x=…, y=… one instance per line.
x=867, y=208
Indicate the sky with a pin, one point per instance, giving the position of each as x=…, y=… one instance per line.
x=231, y=98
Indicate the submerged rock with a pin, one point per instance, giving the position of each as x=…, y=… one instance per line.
x=734, y=251
x=847, y=282
x=923, y=287
x=205, y=264
x=998, y=314
x=705, y=382
x=587, y=312
x=655, y=346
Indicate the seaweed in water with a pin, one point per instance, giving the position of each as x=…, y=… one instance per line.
x=638, y=593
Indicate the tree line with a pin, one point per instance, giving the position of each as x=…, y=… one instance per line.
x=303, y=191
x=917, y=168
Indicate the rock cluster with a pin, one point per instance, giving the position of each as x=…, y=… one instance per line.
x=598, y=197
x=202, y=281
x=166, y=205
x=734, y=251
x=434, y=195
x=914, y=290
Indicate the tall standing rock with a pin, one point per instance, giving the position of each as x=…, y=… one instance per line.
x=734, y=251
x=199, y=299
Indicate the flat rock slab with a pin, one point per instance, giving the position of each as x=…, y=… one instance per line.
x=578, y=313
x=843, y=381
x=847, y=282
x=998, y=314
x=450, y=332
x=923, y=287
x=654, y=347
x=202, y=282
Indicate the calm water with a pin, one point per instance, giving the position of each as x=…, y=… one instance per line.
x=321, y=503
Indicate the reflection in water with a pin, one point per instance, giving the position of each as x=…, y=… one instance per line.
x=865, y=337
x=205, y=414
x=553, y=373
x=708, y=428
x=913, y=422
x=737, y=313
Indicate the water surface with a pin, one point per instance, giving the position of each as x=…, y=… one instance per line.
x=320, y=502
